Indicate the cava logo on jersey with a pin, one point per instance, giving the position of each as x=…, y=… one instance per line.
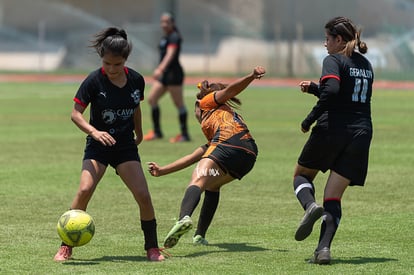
x=136, y=95
x=109, y=116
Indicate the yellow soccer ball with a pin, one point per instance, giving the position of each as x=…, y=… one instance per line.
x=76, y=227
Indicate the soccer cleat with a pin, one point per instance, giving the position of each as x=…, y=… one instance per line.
x=154, y=255
x=179, y=138
x=312, y=214
x=322, y=256
x=199, y=240
x=151, y=135
x=180, y=228
x=64, y=253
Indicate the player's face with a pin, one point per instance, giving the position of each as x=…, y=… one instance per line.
x=333, y=44
x=197, y=111
x=166, y=24
x=113, y=66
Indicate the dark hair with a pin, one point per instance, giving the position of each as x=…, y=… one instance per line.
x=112, y=40
x=171, y=16
x=349, y=32
x=207, y=88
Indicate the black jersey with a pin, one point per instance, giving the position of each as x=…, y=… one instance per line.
x=174, y=40
x=350, y=106
x=112, y=108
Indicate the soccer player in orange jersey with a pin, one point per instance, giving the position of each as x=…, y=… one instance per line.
x=230, y=153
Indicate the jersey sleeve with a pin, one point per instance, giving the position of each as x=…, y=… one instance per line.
x=139, y=82
x=208, y=102
x=330, y=68
x=329, y=85
x=84, y=94
x=174, y=40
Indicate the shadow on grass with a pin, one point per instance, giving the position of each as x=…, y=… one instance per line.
x=229, y=247
x=239, y=247
x=362, y=260
x=359, y=260
x=114, y=259
x=224, y=247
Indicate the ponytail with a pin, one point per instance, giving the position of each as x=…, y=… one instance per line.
x=112, y=40
x=349, y=32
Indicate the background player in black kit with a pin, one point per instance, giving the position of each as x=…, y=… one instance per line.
x=114, y=93
x=341, y=138
x=169, y=76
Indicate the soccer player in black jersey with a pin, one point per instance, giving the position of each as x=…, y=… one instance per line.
x=114, y=93
x=341, y=138
x=169, y=76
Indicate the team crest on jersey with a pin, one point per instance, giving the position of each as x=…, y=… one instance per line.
x=136, y=95
x=109, y=116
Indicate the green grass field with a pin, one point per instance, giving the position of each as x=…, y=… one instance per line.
x=252, y=233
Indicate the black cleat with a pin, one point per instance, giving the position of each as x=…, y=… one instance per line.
x=322, y=256
x=312, y=214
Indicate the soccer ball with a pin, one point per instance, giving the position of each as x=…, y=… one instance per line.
x=75, y=227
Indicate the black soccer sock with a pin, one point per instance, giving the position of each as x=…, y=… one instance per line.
x=182, y=117
x=190, y=201
x=304, y=190
x=150, y=233
x=210, y=203
x=331, y=218
x=155, y=114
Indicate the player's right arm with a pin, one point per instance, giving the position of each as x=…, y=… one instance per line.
x=181, y=163
x=80, y=121
x=310, y=88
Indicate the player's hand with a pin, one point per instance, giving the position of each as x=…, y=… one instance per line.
x=138, y=139
x=259, y=72
x=305, y=126
x=154, y=169
x=157, y=74
x=103, y=137
x=304, y=86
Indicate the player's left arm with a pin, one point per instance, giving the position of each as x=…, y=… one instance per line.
x=138, y=125
x=239, y=85
x=171, y=52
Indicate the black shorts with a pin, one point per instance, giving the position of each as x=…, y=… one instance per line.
x=345, y=152
x=173, y=76
x=112, y=155
x=235, y=161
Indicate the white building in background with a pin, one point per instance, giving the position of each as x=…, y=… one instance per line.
x=220, y=36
